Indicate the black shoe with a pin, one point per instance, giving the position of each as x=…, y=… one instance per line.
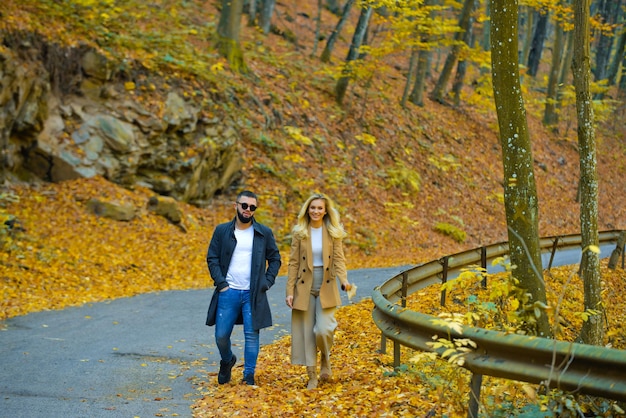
x=248, y=379
x=225, y=368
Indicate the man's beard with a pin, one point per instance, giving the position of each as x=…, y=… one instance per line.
x=243, y=219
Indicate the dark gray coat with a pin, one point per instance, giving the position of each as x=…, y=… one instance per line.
x=265, y=265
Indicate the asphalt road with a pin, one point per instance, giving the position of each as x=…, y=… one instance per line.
x=130, y=357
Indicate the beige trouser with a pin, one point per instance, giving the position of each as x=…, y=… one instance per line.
x=312, y=330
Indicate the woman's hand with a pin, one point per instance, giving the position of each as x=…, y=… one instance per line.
x=350, y=289
x=289, y=301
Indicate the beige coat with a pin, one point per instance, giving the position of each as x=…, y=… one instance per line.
x=300, y=271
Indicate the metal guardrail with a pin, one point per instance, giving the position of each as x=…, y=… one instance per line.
x=577, y=367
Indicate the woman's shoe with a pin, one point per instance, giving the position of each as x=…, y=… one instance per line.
x=325, y=371
x=312, y=373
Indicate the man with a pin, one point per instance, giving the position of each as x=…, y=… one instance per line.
x=243, y=260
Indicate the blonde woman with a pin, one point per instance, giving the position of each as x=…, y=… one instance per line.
x=316, y=261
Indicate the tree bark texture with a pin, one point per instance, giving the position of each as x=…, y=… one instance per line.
x=622, y=80
x=617, y=58
x=330, y=44
x=608, y=12
x=267, y=11
x=551, y=116
x=529, y=23
x=353, y=53
x=252, y=10
x=461, y=67
x=485, y=42
x=464, y=23
x=409, y=77
x=536, y=47
x=424, y=58
x=423, y=63
x=566, y=65
x=520, y=193
x=228, y=30
x=333, y=6
x=318, y=24
x=592, y=331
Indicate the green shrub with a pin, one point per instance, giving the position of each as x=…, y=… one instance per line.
x=452, y=231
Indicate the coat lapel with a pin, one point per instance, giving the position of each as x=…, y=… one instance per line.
x=309, y=251
x=326, y=248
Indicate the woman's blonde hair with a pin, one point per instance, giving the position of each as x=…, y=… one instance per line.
x=331, y=218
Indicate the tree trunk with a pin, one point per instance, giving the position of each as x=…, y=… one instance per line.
x=417, y=94
x=330, y=44
x=520, y=194
x=228, y=30
x=461, y=67
x=353, y=53
x=592, y=331
x=536, y=48
x=608, y=12
x=617, y=59
x=267, y=11
x=622, y=79
x=551, y=116
x=252, y=10
x=424, y=56
x=485, y=43
x=333, y=6
x=464, y=23
x=409, y=77
x=566, y=65
x=529, y=14
x=318, y=24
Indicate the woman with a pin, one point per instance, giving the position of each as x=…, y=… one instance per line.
x=315, y=262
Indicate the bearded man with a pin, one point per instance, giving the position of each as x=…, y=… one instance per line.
x=243, y=261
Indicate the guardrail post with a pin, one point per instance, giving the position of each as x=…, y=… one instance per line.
x=383, y=344
x=396, y=345
x=475, y=384
x=444, y=278
x=483, y=264
x=396, y=354
x=555, y=243
x=619, y=250
x=405, y=288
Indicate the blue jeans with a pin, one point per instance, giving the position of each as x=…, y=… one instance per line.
x=230, y=304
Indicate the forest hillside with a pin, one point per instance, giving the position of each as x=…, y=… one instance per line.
x=412, y=183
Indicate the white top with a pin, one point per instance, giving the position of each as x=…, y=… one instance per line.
x=238, y=276
x=316, y=245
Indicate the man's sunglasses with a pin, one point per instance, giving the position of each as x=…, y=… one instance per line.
x=245, y=206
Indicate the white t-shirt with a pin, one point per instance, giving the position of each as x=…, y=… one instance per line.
x=316, y=246
x=238, y=276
